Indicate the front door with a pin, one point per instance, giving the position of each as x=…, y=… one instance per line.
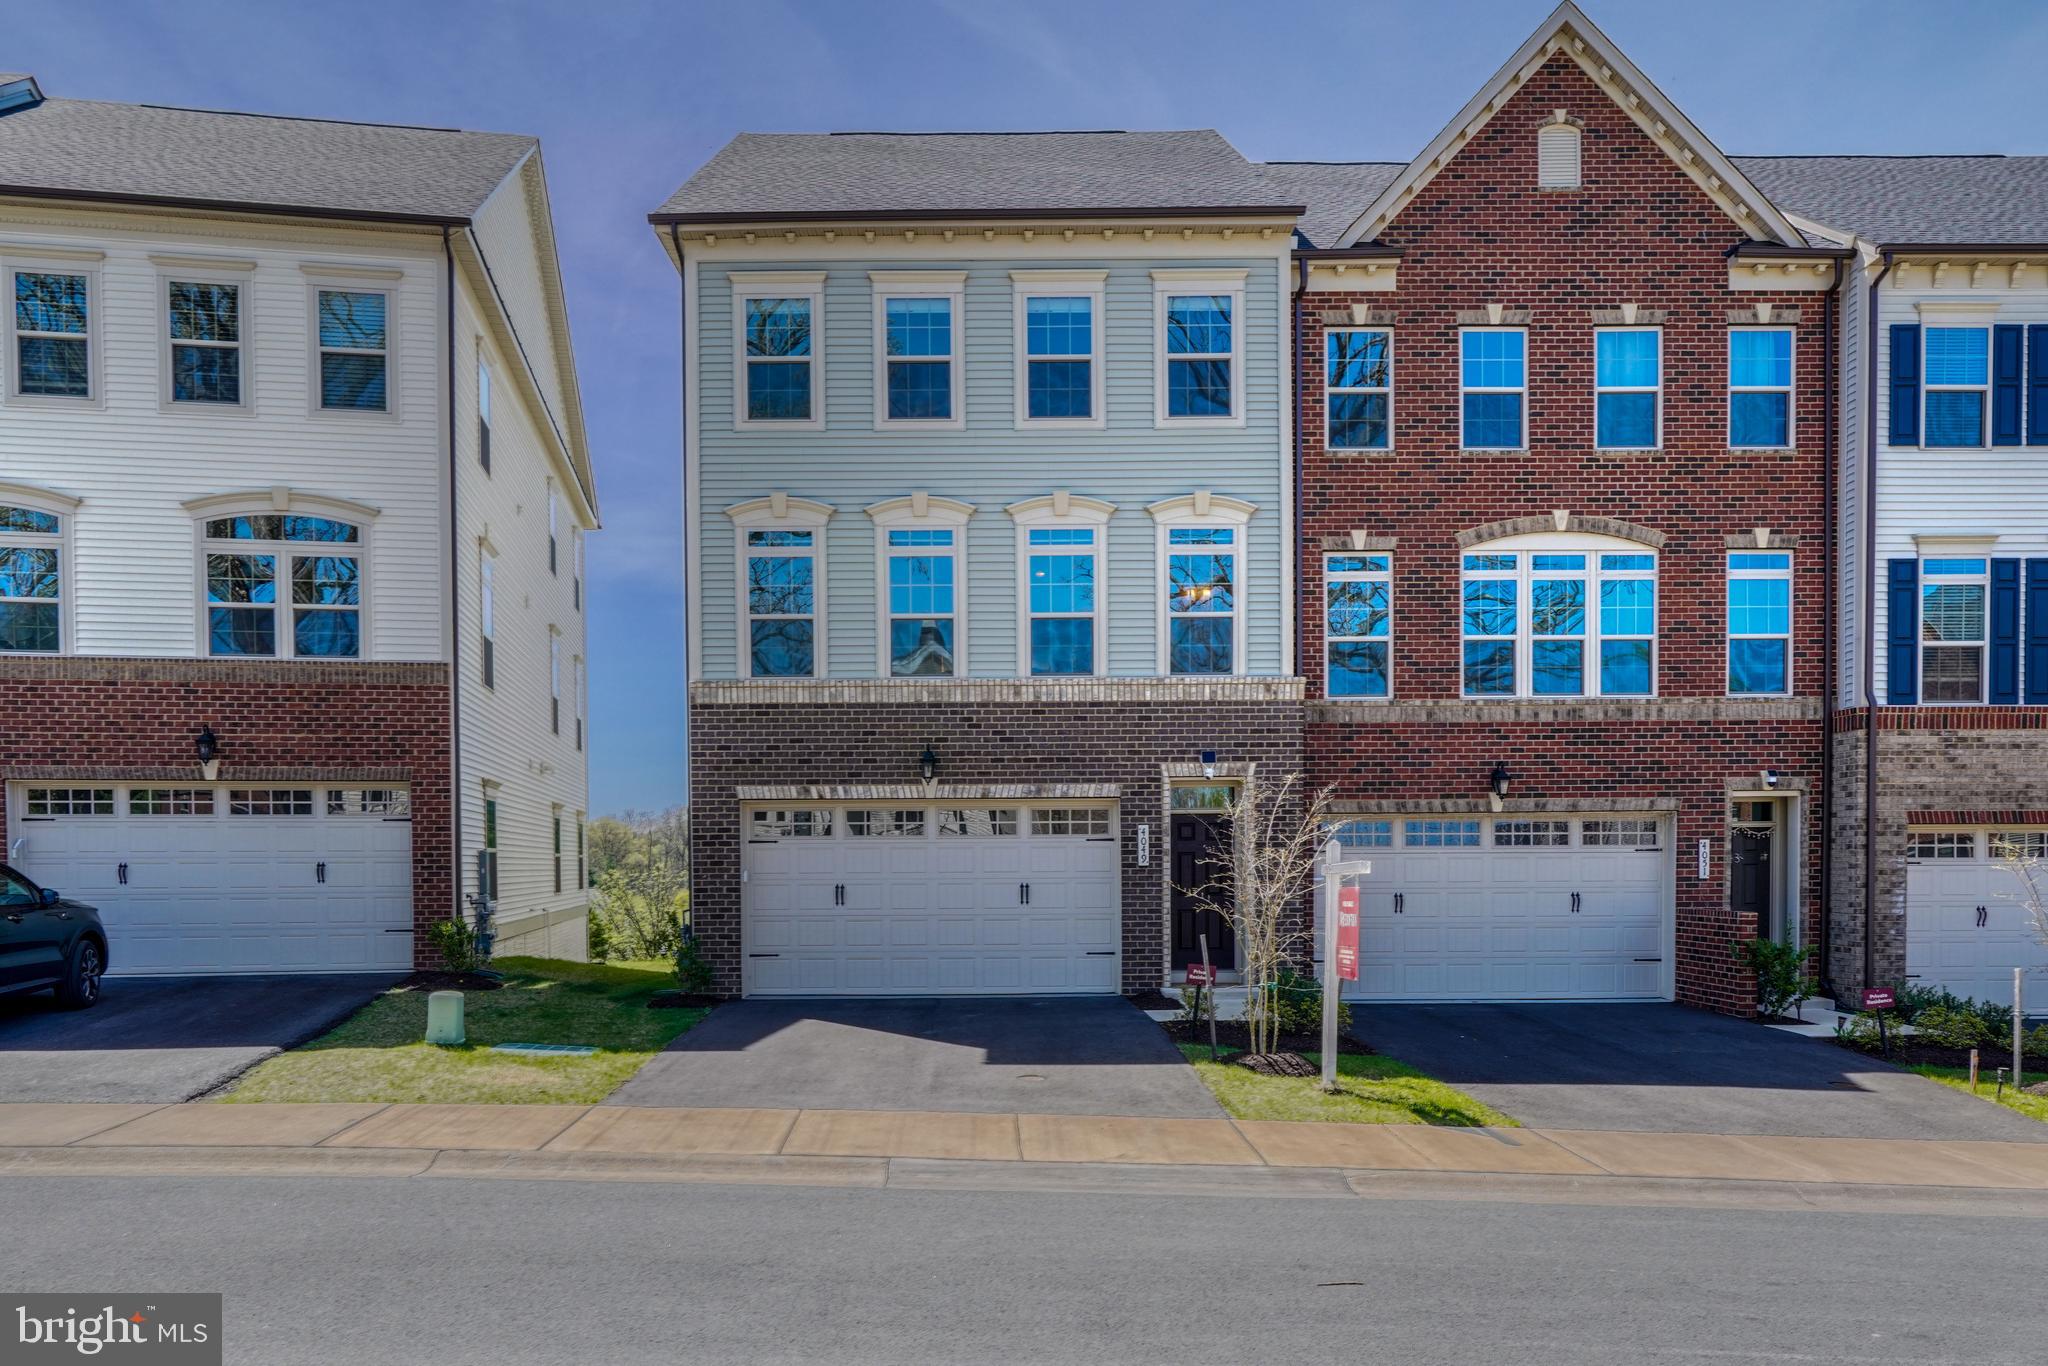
x=1200, y=842
x=1749, y=873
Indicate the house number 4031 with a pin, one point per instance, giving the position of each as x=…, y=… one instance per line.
x=1706, y=858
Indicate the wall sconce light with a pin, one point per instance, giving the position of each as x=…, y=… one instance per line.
x=928, y=764
x=1208, y=763
x=207, y=747
x=1498, y=780
x=1771, y=779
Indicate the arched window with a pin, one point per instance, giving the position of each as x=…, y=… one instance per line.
x=283, y=582
x=1559, y=616
x=32, y=563
x=1557, y=156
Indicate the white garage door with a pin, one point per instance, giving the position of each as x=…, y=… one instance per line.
x=1564, y=908
x=1966, y=928
x=906, y=900
x=229, y=879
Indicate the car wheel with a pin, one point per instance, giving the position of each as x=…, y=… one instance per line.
x=81, y=985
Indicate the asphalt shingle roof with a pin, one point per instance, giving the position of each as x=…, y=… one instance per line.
x=1987, y=200
x=1336, y=192
x=137, y=151
x=853, y=175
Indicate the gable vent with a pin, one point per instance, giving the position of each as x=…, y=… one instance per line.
x=1557, y=156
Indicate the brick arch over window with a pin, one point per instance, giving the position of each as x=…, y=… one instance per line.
x=1567, y=522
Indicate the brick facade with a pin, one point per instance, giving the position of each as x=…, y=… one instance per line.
x=277, y=721
x=1639, y=232
x=1014, y=735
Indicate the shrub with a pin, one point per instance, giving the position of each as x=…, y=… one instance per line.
x=693, y=973
x=634, y=921
x=1298, y=1005
x=455, y=941
x=1951, y=1027
x=1862, y=1031
x=2034, y=1043
x=596, y=944
x=1780, y=972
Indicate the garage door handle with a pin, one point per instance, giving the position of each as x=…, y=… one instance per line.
x=1400, y=898
x=1983, y=917
x=320, y=872
x=122, y=873
x=1575, y=903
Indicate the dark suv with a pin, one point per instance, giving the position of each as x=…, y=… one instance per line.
x=46, y=941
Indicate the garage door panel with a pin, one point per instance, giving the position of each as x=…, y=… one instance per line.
x=1947, y=947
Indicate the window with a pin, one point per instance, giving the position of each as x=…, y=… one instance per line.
x=1201, y=600
x=921, y=566
x=1201, y=339
x=1557, y=157
x=576, y=678
x=576, y=555
x=1440, y=834
x=394, y=802
x=1619, y=834
x=554, y=515
x=483, y=415
x=917, y=347
x=1202, y=796
x=1060, y=574
x=1493, y=379
x=270, y=801
x=582, y=876
x=307, y=570
x=53, y=341
x=1627, y=377
x=1941, y=845
x=2024, y=844
x=885, y=824
x=1952, y=629
x=1558, y=645
x=487, y=617
x=1088, y=822
x=170, y=801
x=1532, y=834
x=775, y=825
x=1760, y=622
x=71, y=801
x=355, y=346
x=1760, y=388
x=781, y=543
x=487, y=866
x=554, y=681
x=1059, y=347
x=1357, y=623
x=978, y=823
x=1957, y=376
x=780, y=387
x=1359, y=389
x=1352, y=835
x=31, y=581
x=205, y=324
x=557, y=835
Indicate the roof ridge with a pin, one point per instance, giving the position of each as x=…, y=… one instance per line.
x=988, y=132
x=1891, y=156
x=287, y=118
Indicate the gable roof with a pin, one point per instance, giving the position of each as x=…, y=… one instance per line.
x=1332, y=192
x=146, y=153
x=761, y=177
x=1913, y=201
x=1569, y=31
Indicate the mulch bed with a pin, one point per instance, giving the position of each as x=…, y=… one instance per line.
x=681, y=1000
x=450, y=981
x=1154, y=999
x=1233, y=1034
x=1276, y=1064
x=2039, y=1088
x=1935, y=1055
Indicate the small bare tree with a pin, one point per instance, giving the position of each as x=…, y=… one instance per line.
x=2023, y=858
x=1277, y=831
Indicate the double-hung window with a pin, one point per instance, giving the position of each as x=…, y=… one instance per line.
x=781, y=592
x=1359, y=388
x=355, y=349
x=1559, y=623
x=1059, y=347
x=1628, y=376
x=922, y=585
x=204, y=320
x=31, y=580
x=1060, y=577
x=487, y=868
x=1760, y=388
x=778, y=319
x=483, y=415
x=576, y=560
x=487, y=616
x=283, y=585
x=1201, y=599
x=554, y=518
x=53, y=338
x=917, y=348
x=556, y=816
x=1957, y=373
x=1201, y=346
x=1953, y=624
x=1493, y=388
x=1760, y=623
x=554, y=681
x=1358, y=624
x=582, y=690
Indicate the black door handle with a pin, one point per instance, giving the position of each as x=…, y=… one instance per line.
x=1399, y=899
x=122, y=872
x=1983, y=917
x=320, y=871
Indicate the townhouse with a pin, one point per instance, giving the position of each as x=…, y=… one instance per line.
x=293, y=492
x=989, y=551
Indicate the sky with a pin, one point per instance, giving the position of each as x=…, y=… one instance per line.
x=630, y=97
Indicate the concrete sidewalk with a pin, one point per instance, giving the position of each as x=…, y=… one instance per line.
x=563, y=1140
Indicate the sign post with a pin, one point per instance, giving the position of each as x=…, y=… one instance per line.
x=1878, y=1000
x=1208, y=993
x=2019, y=1016
x=1340, y=946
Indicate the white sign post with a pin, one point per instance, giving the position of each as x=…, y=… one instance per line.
x=1334, y=938
x=2019, y=1015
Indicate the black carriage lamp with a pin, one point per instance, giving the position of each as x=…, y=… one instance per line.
x=1500, y=779
x=207, y=746
x=928, y=764
x=1208, y=763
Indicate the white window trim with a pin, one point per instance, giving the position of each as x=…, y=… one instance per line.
x=1790, y=389
x=779, y=512
x=203, y=271
x=1202, y=509
x=1791, y=616
x=286, y=502
x=576, y=551
x=1059, y=284
x=483, y=410
x=63, y=508
x=1061, y=510
x=369, y=280
x=1330, y=390
x=921, y=512
x=1522, y=389
x=950, y=285
x=580, y=681
x=1656, y=391
x=1385, y=576
x=554, y=528
x=487, y=613
x=1561, y=543
x=777, y=284
x=1230, y=283
x=1974, y=321
x=1981, y=645
x=57, y=261
x=555, y=678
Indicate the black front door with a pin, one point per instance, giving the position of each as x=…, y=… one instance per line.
x=1199, y=841
x=1749, y=872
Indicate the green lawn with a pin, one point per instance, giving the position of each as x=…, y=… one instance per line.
x=1371, y=1090
x=377, y=1054
x=2034, y=1107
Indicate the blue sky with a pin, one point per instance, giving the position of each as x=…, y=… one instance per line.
x=630, y=97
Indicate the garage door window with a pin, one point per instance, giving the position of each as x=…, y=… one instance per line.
x=1441, y=834
x=1070, y=820
x=369, y=801
x=2019, y=844
x=170, y=801
x=71, y=801
x=885, y=824
x=1531, y=834
x=270, y=801
x=1932, y=845
x=776, y=825
x=1365, y=835
x=974, y=823
x=1635, y=834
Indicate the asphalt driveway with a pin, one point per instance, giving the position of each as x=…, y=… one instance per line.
x=1671, y=1068
x=166, y=1038
x=1046, y=1055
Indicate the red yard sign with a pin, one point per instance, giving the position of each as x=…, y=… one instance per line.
x=1201, y=975
x=1347, y=933
x=1879, y=998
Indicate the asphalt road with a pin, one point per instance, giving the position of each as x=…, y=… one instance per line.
x=509, y=1272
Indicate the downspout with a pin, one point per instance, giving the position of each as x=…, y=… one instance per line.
x=1829, y=649
x=1300, y=296
x=675, y=237
x=454, y=597
x=1870, y=631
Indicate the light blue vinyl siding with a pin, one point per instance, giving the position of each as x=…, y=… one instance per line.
x=992, y=463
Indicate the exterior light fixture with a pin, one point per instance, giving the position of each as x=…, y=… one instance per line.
x=1498, y=780
x=1771, y=779
x=928, y=764
x=207, y=746
x=1208, y=763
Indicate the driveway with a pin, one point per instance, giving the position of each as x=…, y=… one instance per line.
x=1046, y=1055
x=1674, y=1069
x=166, y=1038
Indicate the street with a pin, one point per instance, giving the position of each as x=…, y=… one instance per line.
x=376, y=1271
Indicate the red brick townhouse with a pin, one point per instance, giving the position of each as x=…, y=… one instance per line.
x=293, y=482
x=1564, y=415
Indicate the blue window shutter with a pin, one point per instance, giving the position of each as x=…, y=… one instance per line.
x=2006, y=376
x=1902, y=638
x=2036, y=663
x=2037, y=384
x=1905, y=384
x=2005, y=633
